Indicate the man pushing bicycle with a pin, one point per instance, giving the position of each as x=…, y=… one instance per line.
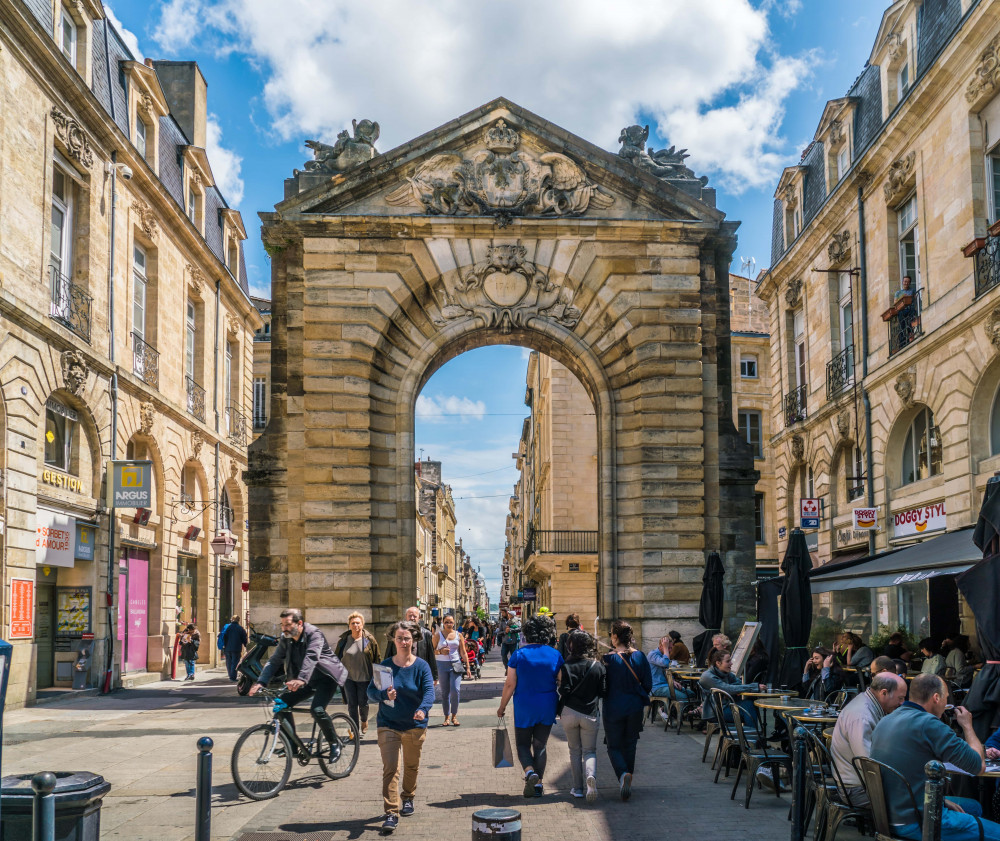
x=311, y=669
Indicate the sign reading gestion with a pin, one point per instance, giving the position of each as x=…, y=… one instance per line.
x=923, y=518
x=130, y=484
x=22, y=608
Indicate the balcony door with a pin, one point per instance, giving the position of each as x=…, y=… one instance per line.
x=800, y=349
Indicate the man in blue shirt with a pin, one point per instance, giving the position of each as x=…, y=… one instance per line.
x=910, y=738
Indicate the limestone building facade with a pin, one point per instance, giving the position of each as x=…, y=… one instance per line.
x=884, y=289
x=261, y=366
x=125, y=333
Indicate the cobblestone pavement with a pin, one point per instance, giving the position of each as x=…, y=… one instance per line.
x=143, y=742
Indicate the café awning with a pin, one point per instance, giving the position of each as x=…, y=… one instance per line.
x=947, y=554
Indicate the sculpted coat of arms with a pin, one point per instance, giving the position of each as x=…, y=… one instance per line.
x=507, y=291
x=502, y=182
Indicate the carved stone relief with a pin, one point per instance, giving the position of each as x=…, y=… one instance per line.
x=987, y=72
x=793, y=295
x=347, y=152
x=790, y=197
x=894, y=41
x=147, y=221
x=667, y=164
x=992, y=328
x=899, y=175
x=145, y=105
x=196, y=282
x=905, y=387
x=840, y=247
x=147, y=414
x=798, y=446
x=836, y=132
x=232, y=325
x=507, y=291
x=844, y=423
x=196, y=443
x=70, y=133
x=74, y=371
x=501, y=182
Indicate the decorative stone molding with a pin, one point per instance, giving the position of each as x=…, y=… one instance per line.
x=793, y=295
x=992, y=328
x=347, y=152
x=666, y=164
x=147, y=414
x=145, y=105
x=836, y=132
x=839, y=248
x=790, y=197
x=75, y=371
x=899, y=174
x=501, y=182
x=234, y=469
x=71, y=135
x=987, y=72
x=196, y=180
x=905, y=387
x=844, y=424
x=196, y=282
x=196, y=443
x=507, y=291
x=896, y=47
x=147, y=221
x=798, y=447
x=232, y=325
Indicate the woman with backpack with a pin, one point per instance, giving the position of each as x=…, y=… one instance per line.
x=583, y=683
x=190, y=641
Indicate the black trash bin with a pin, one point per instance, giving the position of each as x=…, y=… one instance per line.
x=78, y=796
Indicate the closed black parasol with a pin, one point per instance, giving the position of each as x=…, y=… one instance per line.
x=796, y=609
x=981, y=587
x=710, y=609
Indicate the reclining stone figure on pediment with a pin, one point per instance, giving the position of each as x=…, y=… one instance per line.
x=347, y=151
x=665, y=163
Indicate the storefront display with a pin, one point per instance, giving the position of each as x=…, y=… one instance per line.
x=73, y=611
x=133, y=609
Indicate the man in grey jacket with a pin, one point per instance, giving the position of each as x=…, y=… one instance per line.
x=311, y=669
x=852, y=735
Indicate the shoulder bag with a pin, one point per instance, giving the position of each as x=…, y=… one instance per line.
x=647, y=700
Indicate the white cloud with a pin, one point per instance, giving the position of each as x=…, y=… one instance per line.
x=588, y=65
x=127, y=36
x=437, y=409
x=226, y=164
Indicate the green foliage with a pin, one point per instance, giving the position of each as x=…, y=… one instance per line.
x=824, y=631
x=880, y=639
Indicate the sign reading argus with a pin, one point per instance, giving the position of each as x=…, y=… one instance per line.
x=130, y=484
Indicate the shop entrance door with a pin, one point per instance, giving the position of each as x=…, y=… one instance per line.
x=133, y=609
x=45, y=632
x=225, y=595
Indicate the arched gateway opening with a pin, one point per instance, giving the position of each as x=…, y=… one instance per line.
x=497, y=228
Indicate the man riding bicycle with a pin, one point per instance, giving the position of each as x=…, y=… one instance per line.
x=311, y=669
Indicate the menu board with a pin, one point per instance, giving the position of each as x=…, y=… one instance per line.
x=72, y=611
x=22, y=608
x=748, y=636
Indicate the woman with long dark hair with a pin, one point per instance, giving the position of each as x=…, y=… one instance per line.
x=583, y=683
x=630, y=680
x=822, y=676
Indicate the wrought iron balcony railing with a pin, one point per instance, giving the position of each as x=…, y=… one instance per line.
x=987, y=254
x=70, y=304
x=561, y=543
x=905, y=326
x=237, y=423
x=145, y=361
x=840, y=373
x=259, y=419
x=195, y=399
x=795, y=406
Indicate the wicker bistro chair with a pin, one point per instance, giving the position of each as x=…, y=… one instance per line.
x=754, y=758
x=870, y=771
x=728, y=736
x=833, y=801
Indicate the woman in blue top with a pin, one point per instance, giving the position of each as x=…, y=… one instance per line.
x=630, y=681
x=533, y=680
x=402, y=725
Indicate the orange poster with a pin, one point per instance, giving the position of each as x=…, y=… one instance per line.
x=22, y=608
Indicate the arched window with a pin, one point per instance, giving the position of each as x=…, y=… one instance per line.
x=921, y=449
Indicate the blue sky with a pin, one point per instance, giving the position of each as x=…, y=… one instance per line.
x=740, y=83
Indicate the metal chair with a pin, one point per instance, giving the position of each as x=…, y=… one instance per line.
x=682, y=707
x=870, y=771
x=728, y=738
x=754, y=758
x=840, y=697
x=833, y=802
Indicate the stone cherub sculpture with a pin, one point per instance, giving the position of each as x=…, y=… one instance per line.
x=666, y=163
x=347, y=151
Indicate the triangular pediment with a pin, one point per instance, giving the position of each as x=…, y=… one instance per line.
x=504, y=162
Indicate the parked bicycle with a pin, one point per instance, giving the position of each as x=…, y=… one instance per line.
x=263, y=755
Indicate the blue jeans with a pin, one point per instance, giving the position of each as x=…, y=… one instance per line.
x=232, y=661
x=956, y=826
x=621, y=735
x=451, y=684
x=189, y=667
x=506, y=649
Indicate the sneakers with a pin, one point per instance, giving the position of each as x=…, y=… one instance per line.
x=664, y=716
x=530, y=781
x=407, y=809
x=626, y=786
x=538, y=789
x=389, y=824
x=765, y=778
x=335, y=751
x=576, y=792
x=591, y=789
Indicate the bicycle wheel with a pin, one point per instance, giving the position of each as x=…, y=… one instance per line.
x=261, y=764
x=349, y=742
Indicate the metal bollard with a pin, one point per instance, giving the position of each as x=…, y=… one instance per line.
x=496, y=825
x=43, y=812
x=933, y=800
x=203, y=792
x=799, y=771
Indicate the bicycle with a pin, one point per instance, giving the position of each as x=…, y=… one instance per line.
x=262, y=758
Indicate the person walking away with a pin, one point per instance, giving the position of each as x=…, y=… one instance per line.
x=424, y=648
x=449, y=646
x=630, y=680
x=511, y=639
x=190, y=642
x=403, y=725
x=583, y=682
x=533, y=674
x=357, y=649
x=572, y=623
x=234, y=640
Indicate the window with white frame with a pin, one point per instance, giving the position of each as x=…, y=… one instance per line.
x=190, y=335
x=139, y=288
x=227, y=379
x=60, y=430
x=845, y=308
x=225, y=512
x=902, y=81
x=192, y=208
x=259, y=402
x=758, y=519
x=750, y=430
x=843, y=160
x=799, y=334
x=61, y=239
x=854, y=471
x=748, y=366
x=68, y=36
x=993, y=183
x=922, y=449
x=140, y=136
x=909, y=241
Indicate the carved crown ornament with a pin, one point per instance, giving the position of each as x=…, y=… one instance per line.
x=898, y=177
x=75, y=371
x=793, y=294
x=839, y=248
x=502, y=182
x=147, y=221
x=507, y=291
x=987, y=72
x=992, y=328
x=72, y=137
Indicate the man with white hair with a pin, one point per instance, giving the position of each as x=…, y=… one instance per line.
x=424, y=647
x=853, y=734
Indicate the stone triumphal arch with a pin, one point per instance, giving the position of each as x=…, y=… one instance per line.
x=497, y=228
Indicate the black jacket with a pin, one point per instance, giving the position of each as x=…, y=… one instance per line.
x=583, y=682
x=304, y=658
x=425, y=650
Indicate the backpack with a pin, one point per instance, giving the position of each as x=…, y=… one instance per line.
x=513, y=635
x=221, y=641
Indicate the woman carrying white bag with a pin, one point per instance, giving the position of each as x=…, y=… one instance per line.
x=452, y=662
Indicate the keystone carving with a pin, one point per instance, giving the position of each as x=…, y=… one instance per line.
x=844, y=423
x=992, y=328
x=836, y=132
x=793, y=295
x=501, y=182
x=894, y=42
x=987, y=72
x=840, y=247
x=798, y=445
x=196, y=443
x=147, y=413
x=196, y=282
x=232, y=325
x=347, y=152
x=790, y=197
x=905, y=386
x=70, y=134
x=899, y=175
x=507, y=291
x=667, y=164
x=147, y=221
x=145, y=104
x=74, y=371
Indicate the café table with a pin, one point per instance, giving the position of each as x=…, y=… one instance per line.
x=773, y=702
x=986, y=784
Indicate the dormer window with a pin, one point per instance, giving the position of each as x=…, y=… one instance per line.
x=140, y=136
x=902, y=81
x=843, y=161
x=233, y=258
x=195, y=204
x=69, y=36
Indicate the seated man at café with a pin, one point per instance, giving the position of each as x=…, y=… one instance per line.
x=883, y=664
x=852, y=736
x=934, y=663
x=720, y=642
x=660, y=659
x=910, y=738
x=719, y=675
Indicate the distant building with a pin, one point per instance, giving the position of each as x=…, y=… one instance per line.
x=436, y=513
x=261, y=366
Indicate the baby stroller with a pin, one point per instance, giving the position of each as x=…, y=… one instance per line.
x=476, y=653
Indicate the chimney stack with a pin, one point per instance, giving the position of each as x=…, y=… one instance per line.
x=186, y=93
